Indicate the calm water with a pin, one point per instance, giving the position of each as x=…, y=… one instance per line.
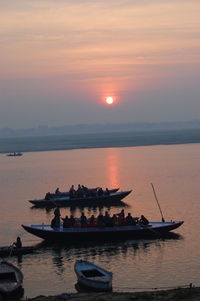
x=175, y=172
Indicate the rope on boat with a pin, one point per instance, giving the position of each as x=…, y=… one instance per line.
x=190, y=285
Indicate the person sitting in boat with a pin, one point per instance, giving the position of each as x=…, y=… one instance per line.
x=55, y=223
x=18, y=243
x=114, y=220
x=85, y=191
x=57, y=190
x=47, y=196
x=66, y=222
x=143, y=220
x=72, y=221
x=100, y=192
x=107, y=192
x=121, y=214
x=92, y=221
x=107, y=219
x=83, y=220
x=72, y=192
x=79, y=191
x=100, y=219
x=129, y=219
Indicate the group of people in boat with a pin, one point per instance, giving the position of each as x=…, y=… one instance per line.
x=83, y=191
x=101, y=220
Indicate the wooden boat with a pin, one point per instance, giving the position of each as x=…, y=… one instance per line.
x=78, y=233
x=14, y=154
x=92, y=276
x=11, y=278
x=91, y=191
x=66, y=201
x=12, y=251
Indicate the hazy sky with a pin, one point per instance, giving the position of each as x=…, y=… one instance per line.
x=60, y=59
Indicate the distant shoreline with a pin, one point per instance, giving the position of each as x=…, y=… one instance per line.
x=100, y=140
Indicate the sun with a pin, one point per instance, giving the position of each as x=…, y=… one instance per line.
x=109, y=100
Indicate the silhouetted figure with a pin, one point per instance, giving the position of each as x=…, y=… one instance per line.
x=79, y=191
x=143, y=220
x=92, y=221
x=100, y=192
x=18, y=243
x=122, y=213
x=107, y=219
x=55, y=223
x=107, y=192
x=65, y=222
x=100, y=218
x=83, y=220
x=72, y=192
x=47, y=196
x=114, y=220
x=85, y=191
x=57, y=190
x=71, y=221
x=129, y=219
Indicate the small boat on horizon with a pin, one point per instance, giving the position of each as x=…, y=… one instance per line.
x=14, y=154
x=11, y=278
x=93, y=277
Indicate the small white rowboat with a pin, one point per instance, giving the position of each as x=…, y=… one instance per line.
x=92, y=276
x=11, y=278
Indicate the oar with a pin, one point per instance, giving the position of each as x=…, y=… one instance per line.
x=11, y=249
x=163, y=220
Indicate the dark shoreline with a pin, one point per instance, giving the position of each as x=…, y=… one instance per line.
x=187, y=294
x=103, y=140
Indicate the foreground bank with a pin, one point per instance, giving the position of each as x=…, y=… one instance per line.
x=185, y=294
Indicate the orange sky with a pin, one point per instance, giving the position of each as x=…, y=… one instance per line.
x=83, y=50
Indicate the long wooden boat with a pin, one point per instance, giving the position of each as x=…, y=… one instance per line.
x=154, y=229
x=66, y=201
x=12, y=251
x=11, y=278
x=92, y=276
x=66, y=193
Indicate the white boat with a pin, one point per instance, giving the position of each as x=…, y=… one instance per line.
x=92, y=276
x=11, y=278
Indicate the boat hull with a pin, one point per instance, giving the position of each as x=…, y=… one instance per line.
x=66, y=193
x=155, y=230
x=96, y=286
x=112, y=199
x=99, y=283
x=11, y=278
x=12, y=251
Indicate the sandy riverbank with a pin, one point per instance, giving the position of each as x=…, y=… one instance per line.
x=186, y=294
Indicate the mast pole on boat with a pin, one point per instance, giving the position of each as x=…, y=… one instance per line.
x=163, y=220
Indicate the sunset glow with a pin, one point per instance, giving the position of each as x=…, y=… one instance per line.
x=64, y=64
x=109, y=100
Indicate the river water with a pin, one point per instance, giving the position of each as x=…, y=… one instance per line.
x=136, y=264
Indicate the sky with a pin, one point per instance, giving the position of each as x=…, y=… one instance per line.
x=59, y=60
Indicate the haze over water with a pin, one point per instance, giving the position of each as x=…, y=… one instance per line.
x=175, y=172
